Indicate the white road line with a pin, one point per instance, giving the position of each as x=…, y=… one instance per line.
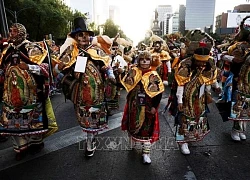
x=55, y=142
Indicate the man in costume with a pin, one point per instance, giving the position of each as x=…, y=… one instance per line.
x=140, y=118
x=161, y=61
x=26, y=109
x=194, y=76
x=234, y=104
x=85, y=87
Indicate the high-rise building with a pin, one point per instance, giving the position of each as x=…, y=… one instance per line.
x=114, y=14
x=101, y=11
x=165, y=12
x=174, y=23
x=182, y=12
x=199, y=14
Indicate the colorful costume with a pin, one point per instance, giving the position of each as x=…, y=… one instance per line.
x=144, y=88
x=26, y=109
x=194, y=76
x=86, y=88
x=234, y=104
x=161, y=61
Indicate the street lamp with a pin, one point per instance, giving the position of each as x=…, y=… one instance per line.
x=16, y=13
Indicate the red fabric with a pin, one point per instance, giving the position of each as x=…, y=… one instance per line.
x=124, y=118
x=164, y=71
x=202, y=44
x=156, y=131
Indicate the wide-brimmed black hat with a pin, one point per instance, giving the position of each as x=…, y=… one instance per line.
x=80, y=26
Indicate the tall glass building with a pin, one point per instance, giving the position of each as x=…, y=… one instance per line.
x=199, y=14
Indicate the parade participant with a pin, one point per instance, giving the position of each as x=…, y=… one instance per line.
x=164, y=68
x=3, y=45
x=194, y=76
x=26, y=108
x=234, y=104
x=140, y=118
x=85, y=86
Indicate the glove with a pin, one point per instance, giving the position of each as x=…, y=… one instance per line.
x=165, y=83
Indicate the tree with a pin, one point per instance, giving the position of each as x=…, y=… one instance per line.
x=42, y=17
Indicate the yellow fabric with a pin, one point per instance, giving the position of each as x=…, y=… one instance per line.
x=176, y=60
x=38, y=59
x=209, y=81
x=163, y=55
x=201, y=57
x=145, y=80
x=137, y=79
x=141, y=118
x=181, y=80
x=52, y=125
x=231, y=48
x=74, y=55
x=95, y=56
x=3, y=53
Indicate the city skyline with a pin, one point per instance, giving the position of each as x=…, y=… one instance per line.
x=136, y=15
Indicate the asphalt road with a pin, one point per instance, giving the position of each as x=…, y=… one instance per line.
x=216, y=157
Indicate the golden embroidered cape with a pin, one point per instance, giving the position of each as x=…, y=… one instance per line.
x=151, y=81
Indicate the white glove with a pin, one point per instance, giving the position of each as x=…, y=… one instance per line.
x=165, y=83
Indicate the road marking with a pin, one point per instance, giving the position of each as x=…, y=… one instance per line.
x=55, y=142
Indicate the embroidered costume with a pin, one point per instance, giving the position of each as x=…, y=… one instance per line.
x=140, y=118
x=26, y=109
x=86, y=89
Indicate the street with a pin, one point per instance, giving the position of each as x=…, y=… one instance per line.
x=216, y=157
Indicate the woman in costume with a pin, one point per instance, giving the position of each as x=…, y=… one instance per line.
x=140, y=118
x=26, y=109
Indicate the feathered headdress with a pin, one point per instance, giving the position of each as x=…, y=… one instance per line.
x=154, y=38
x=197, y=38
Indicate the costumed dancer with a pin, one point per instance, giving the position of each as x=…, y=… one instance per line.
x=140, y=118
x=86, y=87
x=194, y=76
x=159, y=55
x=119, y=66
x=234, y=104
x=26, y=108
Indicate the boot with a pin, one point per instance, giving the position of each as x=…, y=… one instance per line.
x=235, y=135
x=242, y=136
x=184, y=149
x=146, y=153
x=90, y=145
x=146, y=159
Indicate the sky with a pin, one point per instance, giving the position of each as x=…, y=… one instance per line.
x=135, y=15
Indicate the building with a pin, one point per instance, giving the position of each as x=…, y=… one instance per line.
x=114, y=14
x=182, y=13
x=199, y=14
x=226, y=23
x=165, y=12
x=174, y=23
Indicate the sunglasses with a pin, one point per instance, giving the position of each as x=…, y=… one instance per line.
x=114, y=49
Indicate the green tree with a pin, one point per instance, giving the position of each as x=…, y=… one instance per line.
x=42, y=17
